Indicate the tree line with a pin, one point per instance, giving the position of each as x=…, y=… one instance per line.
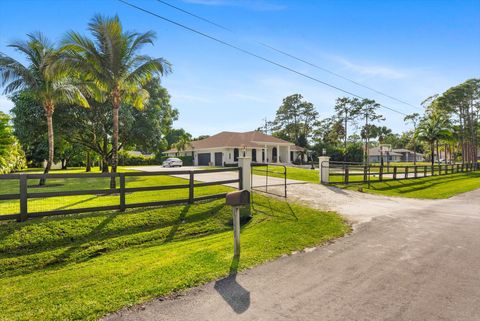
x=448, y=124
x=99, y=90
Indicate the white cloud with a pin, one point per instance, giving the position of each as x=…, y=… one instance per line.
x=181, y=97
x=257, y=99
x=371, y=70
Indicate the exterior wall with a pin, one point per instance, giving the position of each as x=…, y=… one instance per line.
x=393, y=158
x=283, y=154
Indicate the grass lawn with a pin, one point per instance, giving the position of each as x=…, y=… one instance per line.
x=300, y=174
x=432, y=187
x=80, y=267
x=85, y=201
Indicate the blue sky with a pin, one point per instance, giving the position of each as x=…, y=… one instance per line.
x=409, y=49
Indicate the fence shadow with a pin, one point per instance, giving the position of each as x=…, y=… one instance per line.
x=98, y=240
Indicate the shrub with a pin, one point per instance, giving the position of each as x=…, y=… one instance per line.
x=127, y=159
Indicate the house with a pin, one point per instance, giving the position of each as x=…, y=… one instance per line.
x=224, y=148
x=409, y=155
x=395, y=155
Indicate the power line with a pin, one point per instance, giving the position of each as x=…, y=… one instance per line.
x=247, y=52
x=291, y=55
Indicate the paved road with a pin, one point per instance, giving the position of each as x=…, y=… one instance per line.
x=406, y=260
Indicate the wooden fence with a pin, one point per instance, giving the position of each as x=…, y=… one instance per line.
x=24, y=195
x=350, y=173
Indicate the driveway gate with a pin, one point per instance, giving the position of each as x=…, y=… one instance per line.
x=275, y=182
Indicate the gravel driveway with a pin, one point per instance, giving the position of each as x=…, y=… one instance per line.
x=406, y=260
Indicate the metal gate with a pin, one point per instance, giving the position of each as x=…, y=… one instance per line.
x=274, y=181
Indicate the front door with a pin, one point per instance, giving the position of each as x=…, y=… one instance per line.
x=218, y=159
x=274, y=154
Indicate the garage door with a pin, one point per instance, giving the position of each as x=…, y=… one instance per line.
x=203, y=159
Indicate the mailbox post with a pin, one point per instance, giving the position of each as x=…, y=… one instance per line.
x=237, y=200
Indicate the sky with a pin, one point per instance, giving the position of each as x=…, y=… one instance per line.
x=409, y=49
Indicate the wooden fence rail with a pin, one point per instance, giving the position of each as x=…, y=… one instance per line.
x=24, y=195
x=349, y=173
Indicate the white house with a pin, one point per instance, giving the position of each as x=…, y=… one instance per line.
x=225, y=148
x=395, y=155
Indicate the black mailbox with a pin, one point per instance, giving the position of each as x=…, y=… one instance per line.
x=239, y=198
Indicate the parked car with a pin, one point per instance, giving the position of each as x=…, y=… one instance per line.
x=172, y=162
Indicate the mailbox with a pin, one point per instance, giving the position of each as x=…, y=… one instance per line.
x=239, y=198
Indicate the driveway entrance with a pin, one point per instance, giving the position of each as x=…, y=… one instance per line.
x=407, y=260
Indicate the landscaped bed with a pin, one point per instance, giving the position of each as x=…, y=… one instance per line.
x=431, y=187
x=84, y=266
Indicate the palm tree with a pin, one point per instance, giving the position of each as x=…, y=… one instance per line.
x=50, y=87
x=182, y=143
x=431, y=129
x=413, y=118
x=112, y=62
x=382, y=133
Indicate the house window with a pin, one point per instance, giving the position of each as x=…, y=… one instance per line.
x=229, y=155
x=254, y=155
x=263, y=155
x=235, y=155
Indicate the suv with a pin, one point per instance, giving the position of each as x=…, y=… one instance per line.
x=172, y=162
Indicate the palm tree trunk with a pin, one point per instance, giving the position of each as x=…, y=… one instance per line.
x=89, y=162
x=104, y=162
x=51, y=145
x=414, y=151
x=432, y=150
x=345, y=139
x=114, y=144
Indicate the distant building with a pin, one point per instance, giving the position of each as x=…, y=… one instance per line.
x=224, y=148
x=395, y=155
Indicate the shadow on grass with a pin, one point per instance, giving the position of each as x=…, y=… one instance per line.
x=414, y=185
x=231, y=291
x=267, y=209
x=97, y=241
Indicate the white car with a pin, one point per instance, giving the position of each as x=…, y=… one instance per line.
x=172, y=162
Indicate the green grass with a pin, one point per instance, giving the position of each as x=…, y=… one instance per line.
x=432, y=187
x=85, y=201
x=300, y=174
x=80, y=267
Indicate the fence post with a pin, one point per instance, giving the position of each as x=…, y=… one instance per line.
x=23, y=198
x=433, y=170
x=346, y=172
x=380, y=174
x=406, y=171
x=424, y=171
x=191, y=187
x=365, y=174
x=415, y=169
x=324, y=169
x=394, y=172
x=245, y=163
x=122, y=192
